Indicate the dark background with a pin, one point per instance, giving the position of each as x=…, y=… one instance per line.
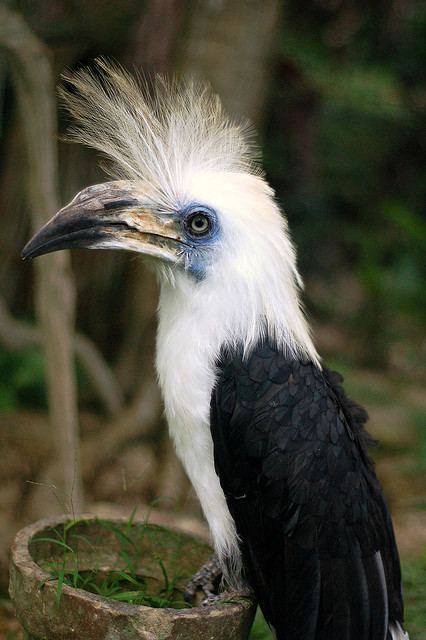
x=336, y=89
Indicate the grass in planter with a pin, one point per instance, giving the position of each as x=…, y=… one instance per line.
x=122, y=585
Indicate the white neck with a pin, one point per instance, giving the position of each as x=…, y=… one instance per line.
x=188, y=342
x=195, y=322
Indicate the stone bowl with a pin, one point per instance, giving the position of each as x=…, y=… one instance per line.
x=49, y=609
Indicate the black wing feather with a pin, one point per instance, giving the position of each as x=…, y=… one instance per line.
x=316, y=536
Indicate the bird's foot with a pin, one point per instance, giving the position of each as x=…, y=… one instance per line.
x=227, y=596
x=203, y=586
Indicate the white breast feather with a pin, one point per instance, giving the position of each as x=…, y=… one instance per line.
x=187, y=345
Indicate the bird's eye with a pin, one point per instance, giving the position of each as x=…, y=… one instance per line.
x=198, y=223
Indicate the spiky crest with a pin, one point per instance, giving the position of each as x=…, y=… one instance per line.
x=156, y=132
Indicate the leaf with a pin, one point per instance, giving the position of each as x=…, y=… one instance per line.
x=61, y=576
x=60, y=543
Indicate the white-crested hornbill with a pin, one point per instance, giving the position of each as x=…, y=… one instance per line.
x=275, y=450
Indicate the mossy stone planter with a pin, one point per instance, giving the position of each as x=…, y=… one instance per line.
x=80, y=615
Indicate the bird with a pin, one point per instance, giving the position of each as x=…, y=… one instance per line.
x=275, y=450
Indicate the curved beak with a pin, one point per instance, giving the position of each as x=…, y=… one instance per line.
x=112, y=215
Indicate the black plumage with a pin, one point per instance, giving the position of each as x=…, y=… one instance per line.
x=316, y=536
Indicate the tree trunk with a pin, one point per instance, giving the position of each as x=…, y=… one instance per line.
x=32, y=77
x=229, y=43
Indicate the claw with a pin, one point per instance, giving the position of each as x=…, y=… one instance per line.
x=205, y=583
x=227, y=596
x=212, y=599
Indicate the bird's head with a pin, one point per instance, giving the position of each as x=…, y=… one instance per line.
x=188, y=193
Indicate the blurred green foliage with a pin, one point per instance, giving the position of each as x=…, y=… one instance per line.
x=344, y=145
x=22, y=379
x=23, y=385
x=260, y=630
x=414, y=573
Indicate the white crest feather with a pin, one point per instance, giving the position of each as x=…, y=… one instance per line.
x=158, y=133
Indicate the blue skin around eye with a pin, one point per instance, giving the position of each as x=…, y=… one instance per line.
x=200, y=254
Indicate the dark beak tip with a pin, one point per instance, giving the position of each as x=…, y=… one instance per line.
x=27, y=252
